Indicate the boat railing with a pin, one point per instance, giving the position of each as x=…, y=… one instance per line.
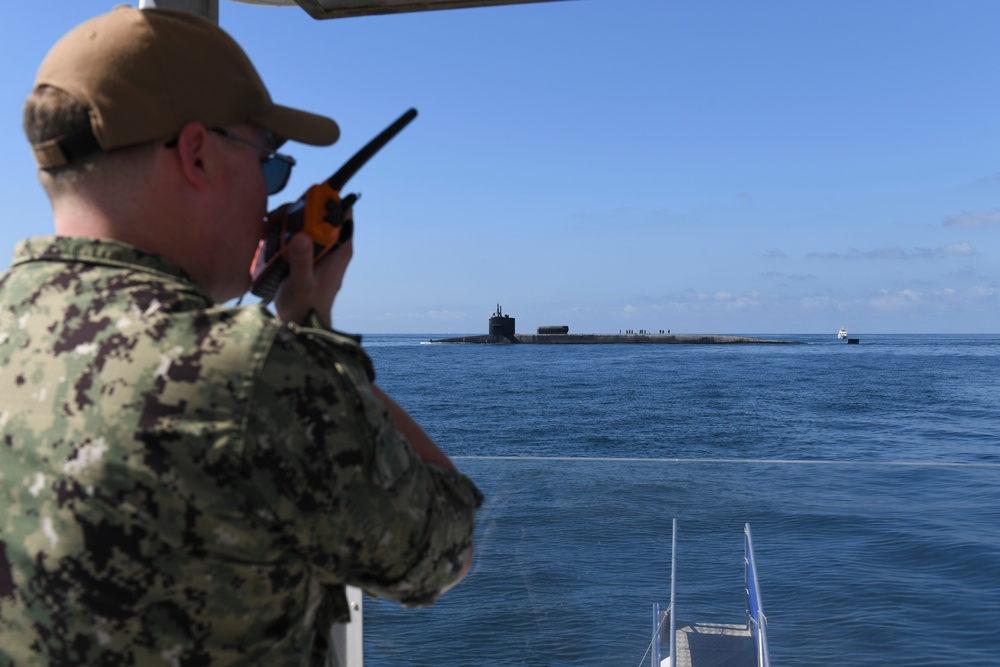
x=756, y=619
x=654, y=649
x=673, y=584
x=658, y=618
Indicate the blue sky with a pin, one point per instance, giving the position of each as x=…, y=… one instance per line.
x=703, y=166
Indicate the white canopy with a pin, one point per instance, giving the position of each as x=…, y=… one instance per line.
x=334, y=9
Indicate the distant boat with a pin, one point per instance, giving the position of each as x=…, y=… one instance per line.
x=842, y=333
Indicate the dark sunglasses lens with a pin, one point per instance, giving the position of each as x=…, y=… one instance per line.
x=276, y=173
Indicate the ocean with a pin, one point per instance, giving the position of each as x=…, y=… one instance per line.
x=870, y=476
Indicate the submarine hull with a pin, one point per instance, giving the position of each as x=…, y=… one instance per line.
x=617, y=339
x=501, y=332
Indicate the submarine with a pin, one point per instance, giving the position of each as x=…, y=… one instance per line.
x=502, y=332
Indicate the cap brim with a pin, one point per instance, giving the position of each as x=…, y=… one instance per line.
x=295, y=125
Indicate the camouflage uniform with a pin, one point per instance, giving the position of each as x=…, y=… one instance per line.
x=190, y=484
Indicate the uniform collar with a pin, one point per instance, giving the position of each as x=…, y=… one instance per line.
x=106, y=252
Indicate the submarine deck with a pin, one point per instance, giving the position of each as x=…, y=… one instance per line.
x=635, y=339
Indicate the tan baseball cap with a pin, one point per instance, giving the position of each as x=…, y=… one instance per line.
x=145, y=73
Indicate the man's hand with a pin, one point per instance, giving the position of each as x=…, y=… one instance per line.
x=310, y=287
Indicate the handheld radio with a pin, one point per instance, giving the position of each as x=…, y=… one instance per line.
x=319, y=212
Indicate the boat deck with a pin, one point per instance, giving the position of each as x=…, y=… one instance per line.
x=715, y=645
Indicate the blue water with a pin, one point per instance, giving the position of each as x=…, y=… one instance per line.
x=870, y=475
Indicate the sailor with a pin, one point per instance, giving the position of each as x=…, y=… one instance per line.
x=185, y=482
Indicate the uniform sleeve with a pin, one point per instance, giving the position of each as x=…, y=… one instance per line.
x=345, y=489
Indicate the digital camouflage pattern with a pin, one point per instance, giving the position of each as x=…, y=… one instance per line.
x=190, y=484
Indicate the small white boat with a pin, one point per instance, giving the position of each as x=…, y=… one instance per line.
x=842, y=333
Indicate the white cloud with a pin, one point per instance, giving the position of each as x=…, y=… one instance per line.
x=890, y=301
x=973, y=219
x=744, y=302
x=814, y=302
x=886, y=253
x=788, y=276
x=956, y=249
x=898, y=254
x=829, y=255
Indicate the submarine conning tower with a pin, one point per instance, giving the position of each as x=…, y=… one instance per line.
x=502, y=325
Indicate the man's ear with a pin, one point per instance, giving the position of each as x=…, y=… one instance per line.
x=192, y=148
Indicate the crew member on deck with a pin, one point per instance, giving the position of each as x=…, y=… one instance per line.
x=187, y=483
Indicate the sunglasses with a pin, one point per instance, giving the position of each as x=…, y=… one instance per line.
x=276, y=167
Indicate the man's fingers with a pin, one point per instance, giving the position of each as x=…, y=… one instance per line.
x=311, y=286
x=300, y=259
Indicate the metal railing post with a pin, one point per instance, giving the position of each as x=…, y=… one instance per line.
x=755, y=607
x=654, y=658
x=673, y=585
x=348, y=638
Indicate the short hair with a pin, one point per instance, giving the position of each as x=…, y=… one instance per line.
x=51, y=113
